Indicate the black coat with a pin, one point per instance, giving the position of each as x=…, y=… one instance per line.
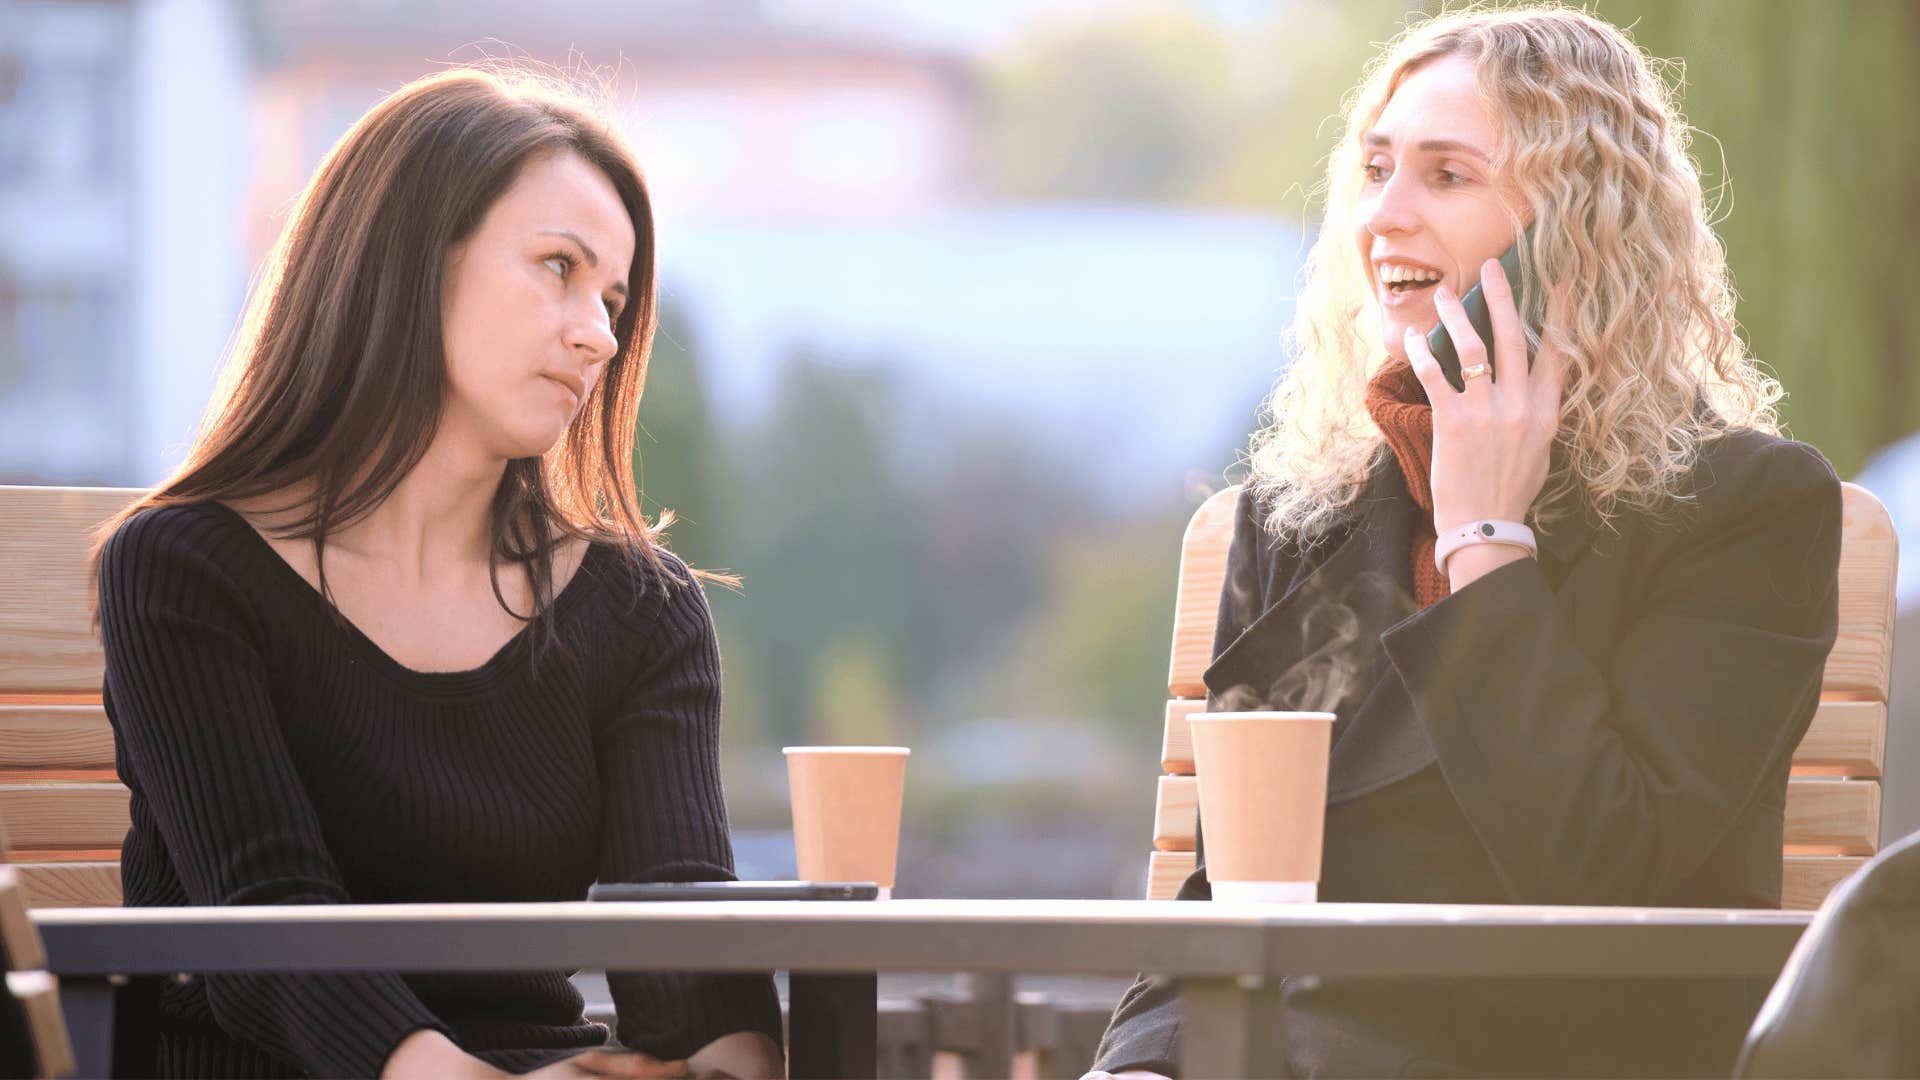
x=1610, y=724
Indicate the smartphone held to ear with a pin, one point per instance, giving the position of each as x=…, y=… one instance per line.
x=1440, y=342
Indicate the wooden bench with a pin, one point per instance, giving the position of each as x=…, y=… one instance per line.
x=60, y=795
x=33, y=1035
x=1833, y=797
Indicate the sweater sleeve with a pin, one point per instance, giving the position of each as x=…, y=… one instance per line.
x=1612, y=784
x=188, y=692
x=665, y=819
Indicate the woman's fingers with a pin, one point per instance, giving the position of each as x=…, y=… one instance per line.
x=1466, y=340
x=629, y=1064
x=1427, y=369
x=1509, y=333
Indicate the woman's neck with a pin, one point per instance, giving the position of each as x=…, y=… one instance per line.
x=440, y=514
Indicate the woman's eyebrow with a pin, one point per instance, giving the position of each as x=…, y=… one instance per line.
x=1439, y=146
x=586, y=249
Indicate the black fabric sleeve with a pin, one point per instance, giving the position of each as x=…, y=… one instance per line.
x=190, y=701
x=1612, y=786
x=665, y=819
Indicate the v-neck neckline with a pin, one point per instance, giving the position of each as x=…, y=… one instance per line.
x=434, y=683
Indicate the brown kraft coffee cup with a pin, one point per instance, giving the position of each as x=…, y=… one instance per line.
x=846, y=811
x=1263, y=802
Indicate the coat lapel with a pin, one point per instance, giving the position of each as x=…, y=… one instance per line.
x=1318, y=646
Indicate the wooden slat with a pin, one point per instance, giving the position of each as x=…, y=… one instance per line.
x=55, y=737
x=1176, y=739
x=1167, y=871
x=1806, y=880
x=68, y=776
x=1176, y=814
x=1847, y=738
x=46, y=633
x=17, y=935
x=1835, y=817
x=38, y=996
x=33, y=856
x=71, y=884
x=1862, y=657
x=1203, y=573
x=64, y=815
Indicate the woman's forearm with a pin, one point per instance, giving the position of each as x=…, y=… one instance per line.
x=428, y=1054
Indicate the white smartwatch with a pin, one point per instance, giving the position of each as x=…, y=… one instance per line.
x=1505, y=533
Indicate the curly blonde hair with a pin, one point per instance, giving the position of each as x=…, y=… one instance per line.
x=1591, y=138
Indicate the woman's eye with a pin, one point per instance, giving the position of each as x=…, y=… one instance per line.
x=1375, y=173
x=559, y=264
x=1449, y=177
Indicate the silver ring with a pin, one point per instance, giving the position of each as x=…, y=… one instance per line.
x=1475, y=372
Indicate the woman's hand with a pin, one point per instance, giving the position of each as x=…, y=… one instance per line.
x=629, y=1064
x=1492, y=442
x=745, y=1055
x=426, y=1053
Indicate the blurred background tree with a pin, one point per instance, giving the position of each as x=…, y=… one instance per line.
x=1813, y=108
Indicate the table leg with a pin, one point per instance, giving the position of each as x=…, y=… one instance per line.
x=1231, y=1027
x=833, y=1025
x=87, y=1005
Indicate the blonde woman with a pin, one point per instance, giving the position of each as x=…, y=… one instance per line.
x=1591, y=596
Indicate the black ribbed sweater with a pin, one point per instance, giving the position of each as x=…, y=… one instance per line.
x=277, y=756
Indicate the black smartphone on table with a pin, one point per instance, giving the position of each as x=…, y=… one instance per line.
x=734, y=890
x=1440, y=341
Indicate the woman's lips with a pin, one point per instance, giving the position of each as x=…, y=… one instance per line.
x=573, y=392
x=1407, y=299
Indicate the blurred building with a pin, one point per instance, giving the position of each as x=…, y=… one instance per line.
x=149, y=151
x=123, y=151
x=736, y=109
x=815, y=177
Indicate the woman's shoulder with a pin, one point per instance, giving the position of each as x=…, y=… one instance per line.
x=202, y=534
x=189, y=557
x=633, y=588
x=1744, y=466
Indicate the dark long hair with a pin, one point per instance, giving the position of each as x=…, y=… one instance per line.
x=337, y=376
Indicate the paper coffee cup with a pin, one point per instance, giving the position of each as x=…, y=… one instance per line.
x=846, y=811
x=1263, y=802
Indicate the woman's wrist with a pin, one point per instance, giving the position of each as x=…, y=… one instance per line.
x=1475, y=561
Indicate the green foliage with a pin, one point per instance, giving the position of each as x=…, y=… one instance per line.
x=1813, y=106
x=817, y=528
x=676, y=451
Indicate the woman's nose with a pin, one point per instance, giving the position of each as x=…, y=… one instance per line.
x=593, y=337
x=1391, y=209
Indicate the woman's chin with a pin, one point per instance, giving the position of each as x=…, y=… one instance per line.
x=1392, y=341
x=528, y=444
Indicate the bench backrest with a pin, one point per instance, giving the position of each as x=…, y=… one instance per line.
x=63, y=804
x=1833, y=797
